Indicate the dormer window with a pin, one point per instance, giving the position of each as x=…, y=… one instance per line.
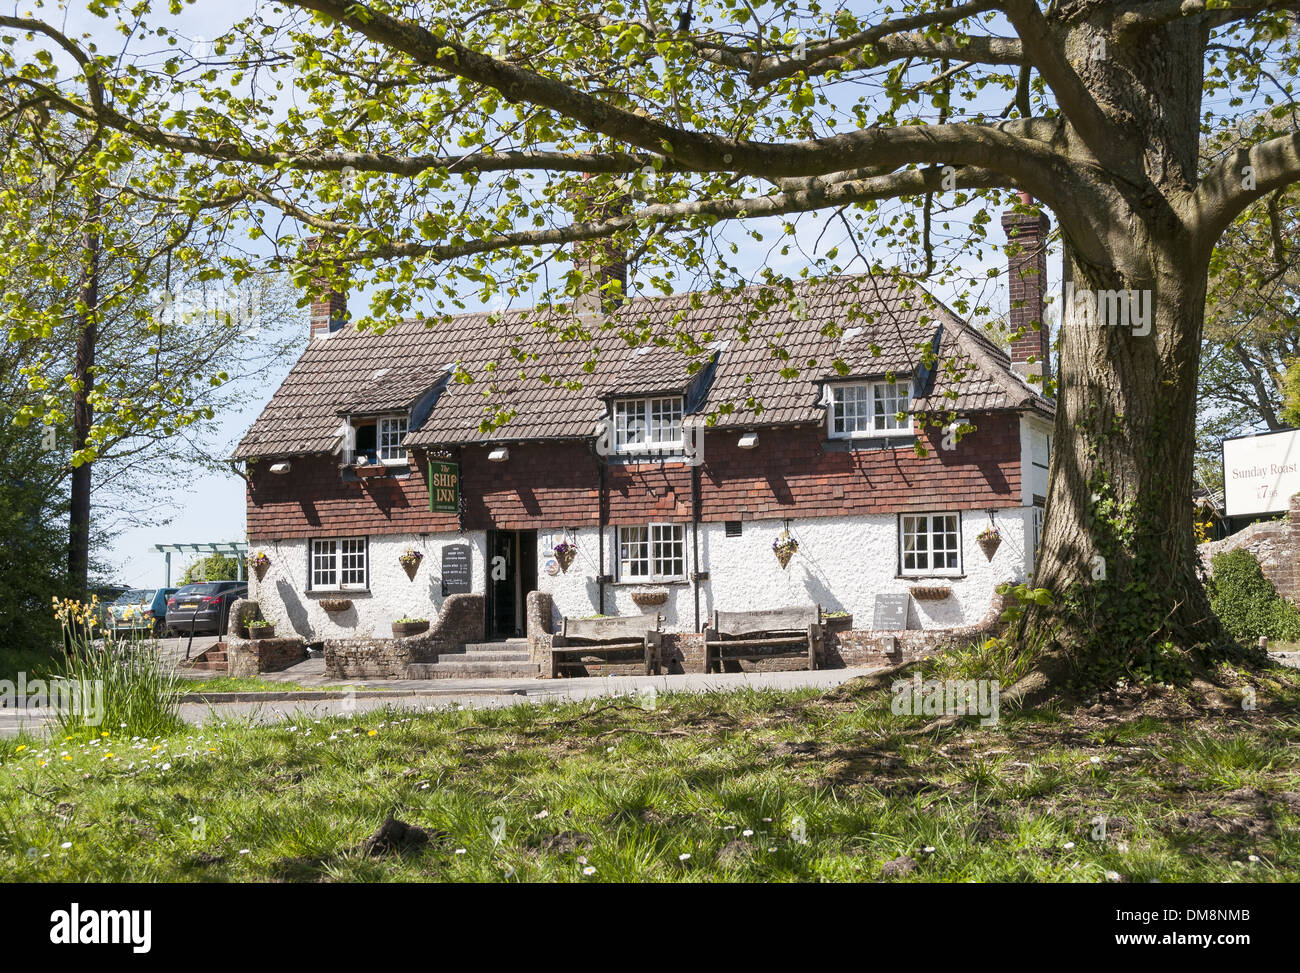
x=392, y=430
x=375, y=442
x=865, y=409
x=648, y=425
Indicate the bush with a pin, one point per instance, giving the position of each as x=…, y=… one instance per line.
x=1246, y=601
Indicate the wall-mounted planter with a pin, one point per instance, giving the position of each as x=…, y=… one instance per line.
x=261, y=632
x=649, y=599
x=366, y=470
x=785, y=547
x=410, y=561
x=565, y=554
x=259, y=563
x=989, y=544
x=334, y=605
x=930, y=592
x=403, y=630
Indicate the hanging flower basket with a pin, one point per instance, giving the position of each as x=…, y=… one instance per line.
x=258, y=563
x=785, y=547
x=410, y=560
x=564, y=554
x=989, y=540
x=333, y=605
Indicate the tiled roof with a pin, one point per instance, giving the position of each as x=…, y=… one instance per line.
x=773, y=349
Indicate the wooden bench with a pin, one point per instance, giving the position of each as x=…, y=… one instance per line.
x=770, y=633
x=607, y=637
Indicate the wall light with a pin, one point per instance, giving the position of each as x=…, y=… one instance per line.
x=748, y=440
x=499, y=455
x=280, y=467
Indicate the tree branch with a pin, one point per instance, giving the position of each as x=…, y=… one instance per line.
x=1241, y=179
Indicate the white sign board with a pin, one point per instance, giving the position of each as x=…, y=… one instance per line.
x=1260, y=473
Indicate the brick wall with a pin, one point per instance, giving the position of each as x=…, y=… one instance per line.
x=792, y=472
x=1275, y=544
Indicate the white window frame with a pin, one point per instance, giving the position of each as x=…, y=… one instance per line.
x=867, y=398
x=909, y=528
x=659, y=418
x=333, y=557
x=649, y=542
x=383, y=430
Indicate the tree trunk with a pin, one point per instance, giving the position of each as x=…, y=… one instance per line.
x=83, y=413
x=1118, y=551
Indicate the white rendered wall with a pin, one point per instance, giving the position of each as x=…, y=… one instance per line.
x=285, y=601
x=842, y=564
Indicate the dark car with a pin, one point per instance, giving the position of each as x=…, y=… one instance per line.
x=203, y=607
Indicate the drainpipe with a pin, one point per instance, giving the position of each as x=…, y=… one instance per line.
x=600, y=532
x=695, y=541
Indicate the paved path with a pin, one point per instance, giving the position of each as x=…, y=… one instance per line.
x=425, y=695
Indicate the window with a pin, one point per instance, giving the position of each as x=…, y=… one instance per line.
x=870, y=409
x=391, y=432
x=930, y=543
x=733, y=528
x=338, y=564
x=656, y=552
x=642, y=425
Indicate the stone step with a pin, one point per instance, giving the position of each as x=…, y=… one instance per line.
x=206, y=666
x=513, y=645
x=444, y=669
x=485, y=655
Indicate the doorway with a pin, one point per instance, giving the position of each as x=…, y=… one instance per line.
x=511, y=574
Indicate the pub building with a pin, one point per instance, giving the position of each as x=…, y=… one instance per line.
x=661, y=483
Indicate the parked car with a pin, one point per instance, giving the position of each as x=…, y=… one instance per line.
x=203, y=607
x=140, y=610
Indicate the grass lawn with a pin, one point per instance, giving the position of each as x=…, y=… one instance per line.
x=751, y=786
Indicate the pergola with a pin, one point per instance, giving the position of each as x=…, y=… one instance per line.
x=236, y=548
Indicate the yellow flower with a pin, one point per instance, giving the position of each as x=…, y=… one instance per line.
x=373, y=733
x=20, y=749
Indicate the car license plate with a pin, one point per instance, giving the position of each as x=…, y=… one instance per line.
x=189, y=604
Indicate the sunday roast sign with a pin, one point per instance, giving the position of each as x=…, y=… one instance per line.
x=1260, y=473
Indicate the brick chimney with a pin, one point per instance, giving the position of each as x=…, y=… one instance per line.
x=329, y=305
x=1027, y=266
x=601, y=260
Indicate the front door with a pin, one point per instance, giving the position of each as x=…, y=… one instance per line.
x=512, y=573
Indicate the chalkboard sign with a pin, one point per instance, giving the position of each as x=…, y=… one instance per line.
x=455, y=569
x=891, y=612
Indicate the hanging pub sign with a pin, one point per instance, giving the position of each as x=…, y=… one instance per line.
x=444, y=487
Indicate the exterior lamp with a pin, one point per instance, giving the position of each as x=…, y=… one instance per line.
x=748, y=440
x=499, y=455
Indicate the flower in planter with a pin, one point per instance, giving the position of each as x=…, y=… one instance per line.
x=258, y=563
x=410, y=560
x=785, y=547
x=989, y=539
x=565, y=553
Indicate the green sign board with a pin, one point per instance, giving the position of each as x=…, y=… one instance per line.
x=444, y=487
